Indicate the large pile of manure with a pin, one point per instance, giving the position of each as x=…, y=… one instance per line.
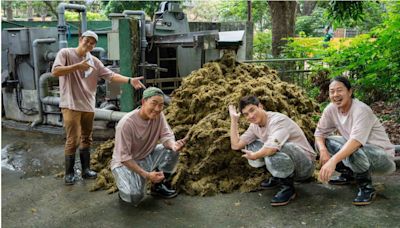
x=199, y=109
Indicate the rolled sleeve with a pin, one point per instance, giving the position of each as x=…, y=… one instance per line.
x=166, y=132
x=102, y=71
x=362, y=126
x=279, y=135
x=123, y=145
x=248, y=136
x=61, y=59
x=326, y=125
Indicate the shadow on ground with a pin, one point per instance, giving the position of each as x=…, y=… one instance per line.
x=35, y=198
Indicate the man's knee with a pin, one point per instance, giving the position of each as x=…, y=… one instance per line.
x=255, y=146
x=334, y=143
x=132, y=198
x=280, y=165
x=167, y=160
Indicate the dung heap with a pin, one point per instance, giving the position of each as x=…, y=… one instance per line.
x=199, y=109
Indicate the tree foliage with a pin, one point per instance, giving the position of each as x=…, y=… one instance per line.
x=74, y=16
x=204, y=11
x=372, y=60
x=262, y=45
x=115, y=6
x=313, y=24
x=236, y=10
x=340, y=11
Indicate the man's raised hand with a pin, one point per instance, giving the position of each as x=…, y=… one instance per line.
x=84, y=65
x=233, y=113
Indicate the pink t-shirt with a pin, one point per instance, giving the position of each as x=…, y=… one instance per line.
x=278, y=130
x=136, y=138
x=359, y=124
x=77, y=92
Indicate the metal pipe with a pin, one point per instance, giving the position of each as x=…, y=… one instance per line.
x=100, y=50
x=50, y=56
x=35, y=44
x=110, y=115
x=143, y=41
x=109, y=107
x=99, y=114
x=102, y=114
x=55, y=101
x=62, y=27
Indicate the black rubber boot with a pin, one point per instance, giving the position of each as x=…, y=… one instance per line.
x=346, y=175
x=366, y=192
x=85, y=162
x=270, y=183
x=286, y=192
x=69, y=177
x=162, y=190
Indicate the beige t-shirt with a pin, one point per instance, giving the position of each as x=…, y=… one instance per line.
x=278, y=130
x=78, y=92
x=136, y=138
x=360, y=124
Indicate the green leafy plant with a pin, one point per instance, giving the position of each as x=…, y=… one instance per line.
x=371, y=61
x=262, y=44
x=74, y=16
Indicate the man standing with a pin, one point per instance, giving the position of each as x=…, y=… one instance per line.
x=362, y=147
x=279, y=141
x=137, y=158
x=78, y=73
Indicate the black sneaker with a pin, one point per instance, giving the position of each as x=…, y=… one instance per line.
x=285, y=194
x=342, y=179
x=270, y=183
x=366, y=194
x=162, y=191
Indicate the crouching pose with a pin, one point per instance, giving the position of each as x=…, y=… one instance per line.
x=279, y=142
x=362, y=147
x=137, y=157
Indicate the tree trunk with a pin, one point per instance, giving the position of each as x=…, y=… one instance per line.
x=283, y=18
x=9, y=11
x=249, y=14
x=30, y=10
x=51, y=8
x=308, y=7
x=249, y=31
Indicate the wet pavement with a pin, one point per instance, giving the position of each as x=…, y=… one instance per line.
x=32, y=196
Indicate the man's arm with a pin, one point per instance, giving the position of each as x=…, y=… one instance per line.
x=327, y=170
x=63, y=70
x=135, y=82
x=154, y=177
x=175, y=145
x=236, y=143
x=263, y=152
x=324, y=155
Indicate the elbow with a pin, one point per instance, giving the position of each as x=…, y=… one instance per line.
x=56, y=73
x=235, y=147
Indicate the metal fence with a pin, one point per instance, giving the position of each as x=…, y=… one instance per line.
x=293, y=70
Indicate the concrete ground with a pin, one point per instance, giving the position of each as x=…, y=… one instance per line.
x=32, y=196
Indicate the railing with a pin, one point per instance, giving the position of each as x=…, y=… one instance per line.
x=293, y=70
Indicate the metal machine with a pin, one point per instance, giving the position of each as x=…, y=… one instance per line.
x=163, y=51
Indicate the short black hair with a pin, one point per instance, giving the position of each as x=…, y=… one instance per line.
x=343, y=80
x=248, y=100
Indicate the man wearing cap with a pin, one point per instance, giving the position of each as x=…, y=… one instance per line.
x=137, y=156
x=78, y=73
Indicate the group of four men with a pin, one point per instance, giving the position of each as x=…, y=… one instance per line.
x=146, y=148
